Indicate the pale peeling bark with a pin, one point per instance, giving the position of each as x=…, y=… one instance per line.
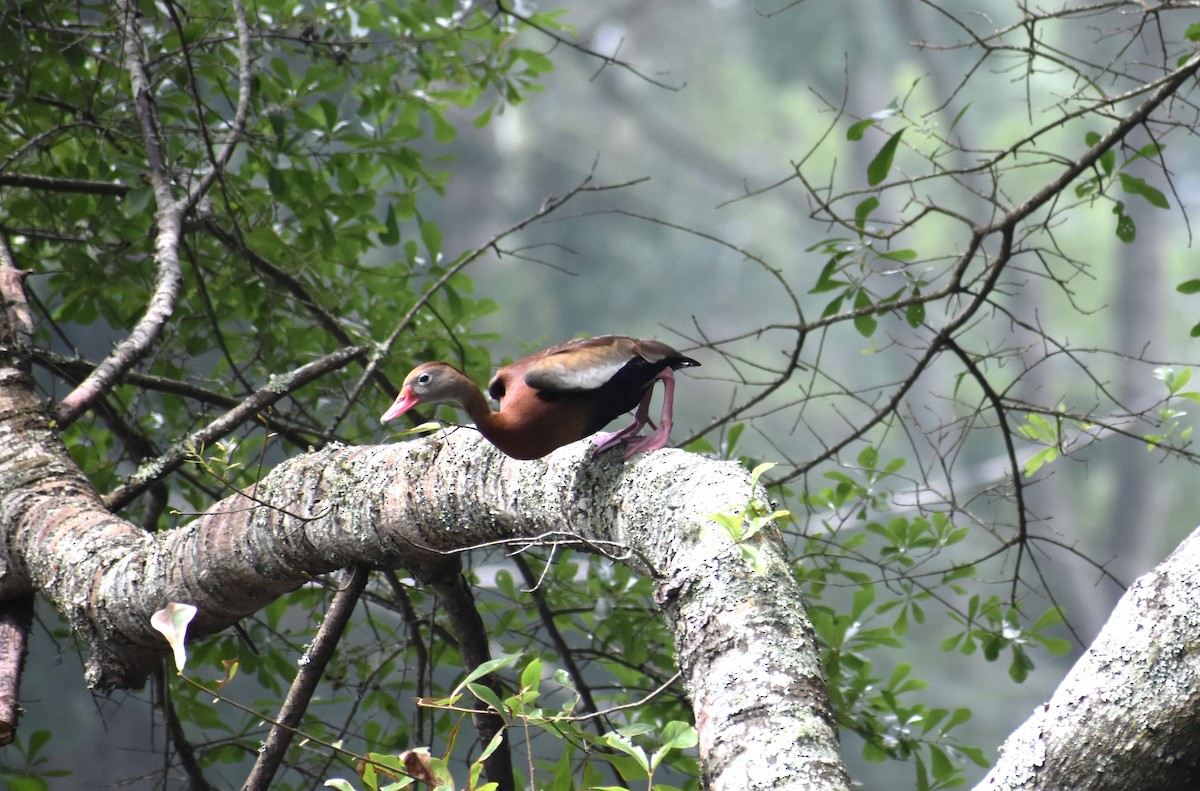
x=1127, y=716
x=745, y=647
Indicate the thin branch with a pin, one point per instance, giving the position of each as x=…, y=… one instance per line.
x=76, y=370
x=168, y=220
x=51, y=184
x=312, y=668
x=178, y=739
x=1006, y=433
x=607, y=60
x=1168, y=87
x=175, y=456
x=455, y=597
x=237, y=126
x=565, y=654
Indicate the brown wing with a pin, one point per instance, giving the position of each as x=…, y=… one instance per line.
x=579, y=365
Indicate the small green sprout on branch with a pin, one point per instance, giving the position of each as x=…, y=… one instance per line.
x=745, y=520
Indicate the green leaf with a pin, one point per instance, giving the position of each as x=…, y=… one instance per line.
x=676, y=735
x=496, y=741
x=531, y=676
x=487, y=667
x=881, y=165
x=865, y=323
x=962, y=572
x=826, y=280
x=957, y=718
x=874, y=753
x=564, y=774
x=899, y=255
x=443, y=131
x=137, y=201
x=959, y=116
x=1108, y=159
x=1193, y=32
x=914, y=314
x=431, y=235
x=761, y=470
x=36, y=742
x=1126, y=227
x=1021, y=665
x=863, y=598
x=942, y=767
x=276, y=183
x=1189, y=287
x=487, y=695
x=1181, y=379
x=679, y=735
x=391, y=228
x=1136, y=186
x=622, y=743
x=855, y=132
x=863, y=211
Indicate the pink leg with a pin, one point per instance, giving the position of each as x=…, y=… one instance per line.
x=641, y=417
x=658, y=438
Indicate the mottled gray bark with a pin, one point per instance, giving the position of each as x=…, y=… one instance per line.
x=1127, y=716
x=744, y=645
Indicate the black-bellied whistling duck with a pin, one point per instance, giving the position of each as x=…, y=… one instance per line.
x=559, y=395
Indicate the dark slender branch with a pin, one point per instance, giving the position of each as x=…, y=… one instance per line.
x=413, y=624
x=168, y=222
x=1006, y=226
x=312, y=668
x=179, y=740
x=234, y=242
x=1010, y=449
x=1167, y=88
x=48, y=184
x=181, y=451
x=236, y=126
x=214, y=321
x=945, y=334
x=455, y=597
x=556, y=637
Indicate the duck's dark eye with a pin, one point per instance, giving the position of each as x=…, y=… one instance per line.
x=424, y=378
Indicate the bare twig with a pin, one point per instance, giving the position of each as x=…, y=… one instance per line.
x=455, y=597
x=312, y=668
x=169, y=222
x=177, y=454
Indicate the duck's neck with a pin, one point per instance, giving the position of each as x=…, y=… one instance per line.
x=475, y=404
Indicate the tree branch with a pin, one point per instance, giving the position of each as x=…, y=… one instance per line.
x=1127, y=716
x=277, y=388
x=16, y=324
x=51, y=184
x=16, y=619
x=456, y=599
x=744, y=646
x=169, y=222
x=312, y=668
